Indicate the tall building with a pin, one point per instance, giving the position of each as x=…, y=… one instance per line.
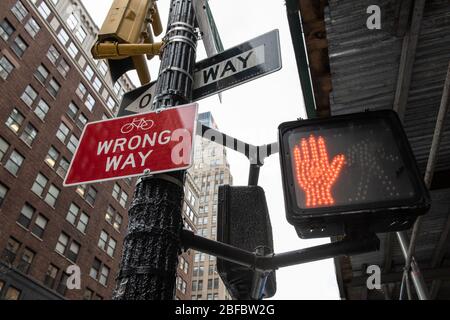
x=49, y=89
x=186, y=260
x=211, y=169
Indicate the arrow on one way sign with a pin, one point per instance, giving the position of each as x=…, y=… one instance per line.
x=250, y=60
x=139, y=100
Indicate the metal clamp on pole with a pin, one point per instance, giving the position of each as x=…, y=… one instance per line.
x=260, y=277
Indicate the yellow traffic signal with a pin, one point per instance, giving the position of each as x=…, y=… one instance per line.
x=125, y=37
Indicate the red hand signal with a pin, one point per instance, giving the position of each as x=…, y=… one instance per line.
x=315, y=174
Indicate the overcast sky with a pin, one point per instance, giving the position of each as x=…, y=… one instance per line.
x=252, y=112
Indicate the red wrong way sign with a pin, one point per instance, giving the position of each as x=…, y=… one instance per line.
x=130, y=146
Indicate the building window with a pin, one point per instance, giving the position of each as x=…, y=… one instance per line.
x=62, y=243
x=72, y=22
x=88, y=193
x=29, y=134
x=184, y=265
x=62, y=286
x=6, y=67
x=72, y=111
x=19, y=46
x=211, y=269
x=6, y=30
x=50, y=276
x=63, y=167
x=63, y=37
x=4, y=146
x=14, y=162
x=120, y=195
x=63, y=68
x=26, y=215
x=41, y=74
x=114, y=218
x=39, y=226
x=81, y=34
x=44, y=10
x=88, y=294
x=95, y=269
x=29, y=95
x=73, y=50
x=74, y=250
x=89, y=73
x=83, y=222
x=111, y=103
x=53, y=87
x=81, y=121
x=3, y=192
x=99, y=272
x=72, y=214
x=53, y=54
x=15, y=120
x=12, y=293
x=90, y=102
x=39, y=184
x=103, y=240
x=42, y=109
x=81, y=91
x=26, y=260
x=103, y=70
x=19, y=11
x=107, y=243
x=63, y=132
x=52, y=157
x=181, y=285
x=32, y=27
x=97, y=84
x=77, y=218
x=10, y=252
x=52, y=195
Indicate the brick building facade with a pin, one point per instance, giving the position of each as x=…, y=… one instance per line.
x=49, y=89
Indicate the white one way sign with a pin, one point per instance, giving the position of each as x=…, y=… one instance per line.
x=229, y=68
x=245, y=62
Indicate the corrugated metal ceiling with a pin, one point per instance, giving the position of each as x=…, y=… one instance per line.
x=364, y=67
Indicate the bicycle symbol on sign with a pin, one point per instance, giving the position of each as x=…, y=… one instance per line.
x=137, y=124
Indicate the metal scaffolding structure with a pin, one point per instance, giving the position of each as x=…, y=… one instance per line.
x=404, y=66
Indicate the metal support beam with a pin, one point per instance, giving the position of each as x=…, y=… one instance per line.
x=298, y=41
x=348, y=246
x=429, y=172
x=438, y=256
x=388, y=243
x=407, y=59
x=416, y=276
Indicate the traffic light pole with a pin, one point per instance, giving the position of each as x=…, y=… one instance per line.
x=151, y=247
